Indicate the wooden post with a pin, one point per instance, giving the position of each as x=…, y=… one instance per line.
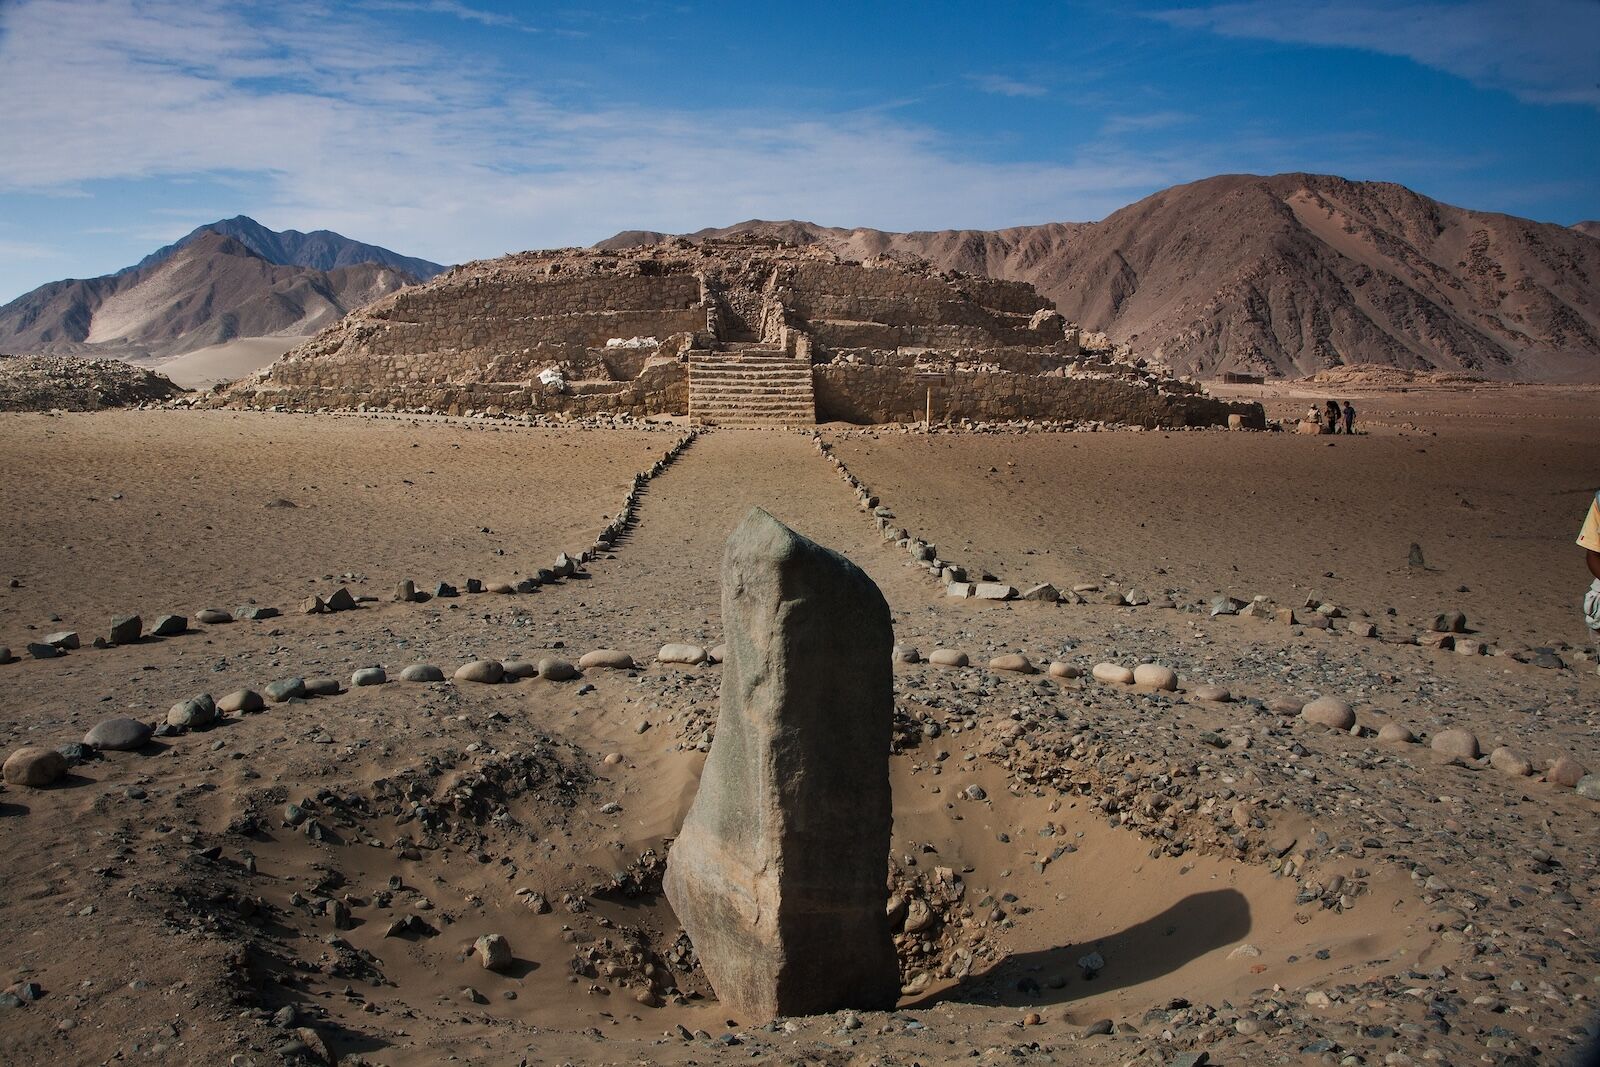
x=930, y=379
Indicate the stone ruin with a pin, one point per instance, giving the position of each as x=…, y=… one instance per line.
x=745, y=330
x=778, y=875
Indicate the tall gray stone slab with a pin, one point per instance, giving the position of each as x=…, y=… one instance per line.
x=779, y=874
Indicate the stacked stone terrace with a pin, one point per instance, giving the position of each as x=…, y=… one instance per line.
x=741, y=331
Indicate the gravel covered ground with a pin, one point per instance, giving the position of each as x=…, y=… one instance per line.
x=1082, y=871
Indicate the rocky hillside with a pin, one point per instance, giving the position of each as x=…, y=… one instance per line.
x=208, y=289
x=1289, y=275
x=44, y=383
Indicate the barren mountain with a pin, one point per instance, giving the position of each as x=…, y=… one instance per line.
x=1289, y=275
x=1589, y=226
x=210, y=289
x=321, y=249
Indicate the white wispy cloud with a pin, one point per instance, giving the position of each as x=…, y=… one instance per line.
x=455, y=9
x=322, y=116
x=1542, y=51
x=1004, y=85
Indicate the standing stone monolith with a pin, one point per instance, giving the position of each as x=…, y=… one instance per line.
x=779, y=873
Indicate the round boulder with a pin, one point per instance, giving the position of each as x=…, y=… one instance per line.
x=679, y=652
x=1509, y=761
x=487, y=671
x=121, y=734
x=717, y=654
x=1589, y=786
x=1214, y=694
x=1396, y=734
x=213, y=616
x=34, y=767
x=1015, y=662
x=1112, y=674
x=609, y=658
x=1456, y=742
x=906, y=654
x=241, y=701
x=1155, y=676
x=1331, y=712
x=117, y=735
x=368, y=676
x=193, y=713
x=1064, y=670
x=557, y=670
x=422, y=672
x=520, y=668
x=1565, y=771
x=947, y=657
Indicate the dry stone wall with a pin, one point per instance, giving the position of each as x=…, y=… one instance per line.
x=863, y=394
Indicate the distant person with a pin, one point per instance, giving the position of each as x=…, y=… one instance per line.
x=1349, y=419
x=1589, y=540
x=1333, y=416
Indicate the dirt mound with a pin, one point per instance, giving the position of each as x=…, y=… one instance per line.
x=42, y=383
x=1376, y=376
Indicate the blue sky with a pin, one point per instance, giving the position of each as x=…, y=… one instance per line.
x=459, y=129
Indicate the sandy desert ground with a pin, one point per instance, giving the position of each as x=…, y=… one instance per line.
x=1142, y=877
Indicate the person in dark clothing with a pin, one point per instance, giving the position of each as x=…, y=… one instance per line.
x=1333, y=416
x=1349, y=418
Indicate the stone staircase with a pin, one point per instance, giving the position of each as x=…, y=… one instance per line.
x=750, y=385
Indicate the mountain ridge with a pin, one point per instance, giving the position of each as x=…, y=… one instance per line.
x=1287, y=274
x=209, y=289
x=319, y=249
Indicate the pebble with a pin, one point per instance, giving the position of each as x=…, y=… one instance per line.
x=1330, y=712
x=121, y=734
x=494, y=952
x=241, y=701
x=1155, y=676
x=947, y=657
x=34, y=767
x=1456, y=742
x=1015, y=662
x=1112, y=674
x=368, y=676
x=608, y=658
x=422, y=672
x=486, y=671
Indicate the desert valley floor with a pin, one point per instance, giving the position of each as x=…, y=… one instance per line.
x=1142, y=876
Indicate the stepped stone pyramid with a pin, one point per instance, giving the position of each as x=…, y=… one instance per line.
x=736, y=331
